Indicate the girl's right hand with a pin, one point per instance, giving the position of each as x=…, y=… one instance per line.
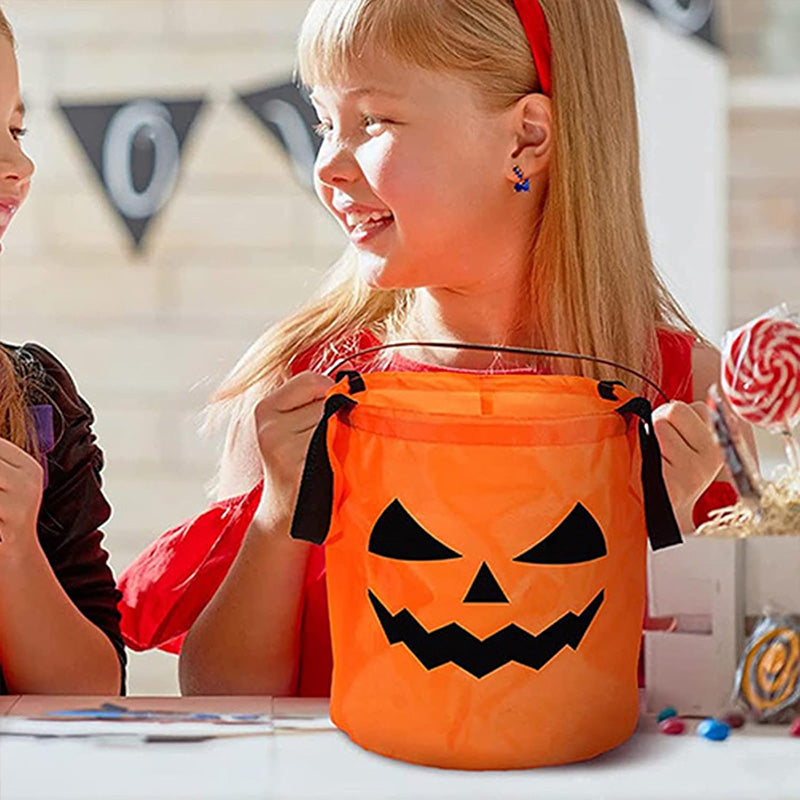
x=285, y=421
x=21, y=487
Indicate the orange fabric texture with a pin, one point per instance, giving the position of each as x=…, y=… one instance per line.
x=486, y=568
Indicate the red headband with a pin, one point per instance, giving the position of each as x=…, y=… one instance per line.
x=535, y=24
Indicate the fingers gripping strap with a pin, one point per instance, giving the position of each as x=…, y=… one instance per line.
x=355, y=381
x=662, y=527
x=312, y=513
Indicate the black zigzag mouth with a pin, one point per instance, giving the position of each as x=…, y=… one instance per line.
x=479, y=657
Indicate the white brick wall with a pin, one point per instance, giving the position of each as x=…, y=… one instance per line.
x=273, y=20
x=81, y=21
x=765, y=210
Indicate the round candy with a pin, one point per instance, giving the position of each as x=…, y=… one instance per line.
x=794, y=728
x=666, y=713
x=769, y=670
x=672, y=726
x=713, y=729
x=733, y=719
x=761, y=372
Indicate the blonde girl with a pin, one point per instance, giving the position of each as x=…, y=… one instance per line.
x=482, y=158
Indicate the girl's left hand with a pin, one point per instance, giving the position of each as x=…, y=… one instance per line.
x=21, y=487
x=691, y=457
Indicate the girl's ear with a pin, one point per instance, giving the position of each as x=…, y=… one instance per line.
x=533, y=136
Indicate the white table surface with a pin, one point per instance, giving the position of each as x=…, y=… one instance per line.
x=755, y=763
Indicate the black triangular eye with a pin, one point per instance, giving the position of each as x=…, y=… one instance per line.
x=577, y=539
x=398, y=535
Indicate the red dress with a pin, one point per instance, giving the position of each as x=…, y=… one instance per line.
x=168, y=585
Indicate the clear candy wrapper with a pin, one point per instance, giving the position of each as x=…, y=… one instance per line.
x=761, y=374
x=768, y=676
x=760, y=384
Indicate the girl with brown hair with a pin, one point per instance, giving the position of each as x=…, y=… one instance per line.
x=59, y=625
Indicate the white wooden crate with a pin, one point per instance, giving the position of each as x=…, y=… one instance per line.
x=710, y=584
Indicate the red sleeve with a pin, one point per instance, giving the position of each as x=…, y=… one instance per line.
x=676, y=353
x=310, y=357
x=718, y=495
x=303, y=360
x=676, y=357
x=171, y=582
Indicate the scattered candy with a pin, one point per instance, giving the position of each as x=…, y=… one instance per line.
x=733, y=719
x=666, y=713
x=761, y=372
x=672, y=726
x=794, y=728
x=713, y=729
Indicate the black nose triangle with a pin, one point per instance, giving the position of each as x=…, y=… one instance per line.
x=485, y=588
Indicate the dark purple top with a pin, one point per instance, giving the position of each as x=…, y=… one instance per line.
x=73, y=505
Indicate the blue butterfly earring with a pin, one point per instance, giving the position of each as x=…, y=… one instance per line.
x=523, y=184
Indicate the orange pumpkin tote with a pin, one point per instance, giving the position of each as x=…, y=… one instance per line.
x=485, y=544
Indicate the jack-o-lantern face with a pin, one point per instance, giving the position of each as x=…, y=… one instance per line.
x=576, y=539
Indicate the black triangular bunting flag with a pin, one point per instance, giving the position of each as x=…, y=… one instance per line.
x=689, y=17
x=135, y=148
x=285, y=111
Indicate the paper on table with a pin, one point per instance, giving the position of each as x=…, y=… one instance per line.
x=111, y=720
x=144, y=730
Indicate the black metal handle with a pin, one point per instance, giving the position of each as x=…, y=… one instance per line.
x=499, y=349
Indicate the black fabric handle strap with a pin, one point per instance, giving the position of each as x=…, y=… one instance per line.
x=662, y=527
x=312, y=512
x=354, y=380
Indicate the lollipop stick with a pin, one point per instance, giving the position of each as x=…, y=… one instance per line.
x=792, y=449
x=728, y=435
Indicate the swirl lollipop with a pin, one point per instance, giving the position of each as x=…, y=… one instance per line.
x=761, y=375
x=767, y=678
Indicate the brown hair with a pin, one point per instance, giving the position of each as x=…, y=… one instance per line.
x=15, y=419
x=16, y=423
x=594, y=288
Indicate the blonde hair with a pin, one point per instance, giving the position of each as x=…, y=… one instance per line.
x=16, y=421
x=594, y=288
